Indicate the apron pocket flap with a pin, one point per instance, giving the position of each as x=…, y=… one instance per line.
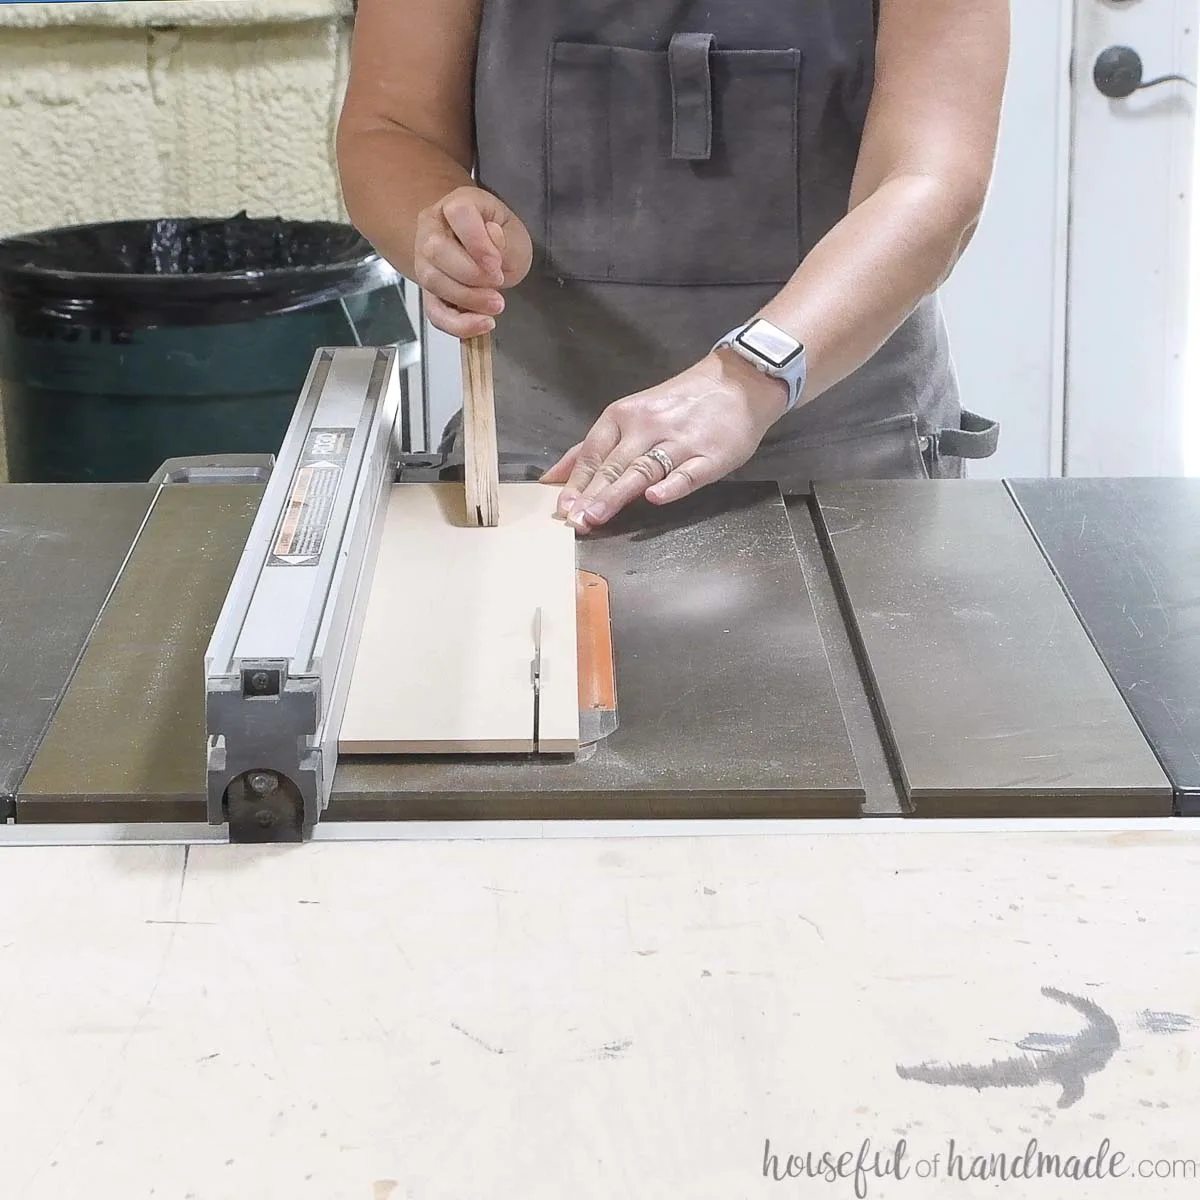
x=691, y=96
x=652, y=179
x=976, y=437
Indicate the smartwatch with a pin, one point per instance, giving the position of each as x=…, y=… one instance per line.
x=773, y=352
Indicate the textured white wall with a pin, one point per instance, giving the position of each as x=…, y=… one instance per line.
x=173, y=108
x=104, y=116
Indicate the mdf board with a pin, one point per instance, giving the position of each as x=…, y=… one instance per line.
x=51, y=535
x=445, y=661
x=992, y=696
x=1127, y=552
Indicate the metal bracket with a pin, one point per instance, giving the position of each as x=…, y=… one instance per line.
x=216, y=468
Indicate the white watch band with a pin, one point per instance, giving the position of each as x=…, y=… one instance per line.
x=762, y=340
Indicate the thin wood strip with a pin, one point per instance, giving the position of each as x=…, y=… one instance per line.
x=482, y=465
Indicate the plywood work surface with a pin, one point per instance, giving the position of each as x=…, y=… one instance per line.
x=447, y=648
x=599, y=1018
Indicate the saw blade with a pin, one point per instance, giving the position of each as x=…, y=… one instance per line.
x=535, y=672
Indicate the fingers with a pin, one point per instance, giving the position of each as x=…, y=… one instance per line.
x=687, y=477
x=561, y=471
x=486, y=301
x=455, y=322
x=591, y=479
x=516, y=249
x=641, y=474
x=508, y=235
x=491, y=234
x=469, y=247
x=441, y=251
x=591, y=457
x=458, y=298
x=704, y=429
x=498, y=236
x=463, y=214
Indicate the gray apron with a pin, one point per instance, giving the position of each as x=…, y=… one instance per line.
x=674, y=160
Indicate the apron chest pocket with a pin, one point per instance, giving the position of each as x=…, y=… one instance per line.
x=676, y=167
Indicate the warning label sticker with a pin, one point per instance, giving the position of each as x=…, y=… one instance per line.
x=304, y=525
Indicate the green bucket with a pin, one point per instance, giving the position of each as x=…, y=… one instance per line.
x=123, y=345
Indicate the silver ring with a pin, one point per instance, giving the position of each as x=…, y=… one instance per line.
x=663, y=459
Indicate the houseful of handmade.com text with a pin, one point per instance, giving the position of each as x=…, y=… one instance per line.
x=866, y=1164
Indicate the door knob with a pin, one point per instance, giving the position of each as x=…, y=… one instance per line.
x=1118, y=73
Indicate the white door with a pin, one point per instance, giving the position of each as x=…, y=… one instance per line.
x=1005, y=303
x=1131, y=184
x=1068, y=312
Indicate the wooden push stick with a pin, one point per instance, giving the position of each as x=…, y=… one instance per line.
x=482, y=465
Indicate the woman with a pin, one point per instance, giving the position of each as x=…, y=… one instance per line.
x=708, y=233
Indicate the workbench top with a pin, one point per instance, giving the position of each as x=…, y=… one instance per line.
x=594, y=1018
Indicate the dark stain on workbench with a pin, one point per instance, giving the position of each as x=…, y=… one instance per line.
x=1067, y=1065
x=1164, y=1022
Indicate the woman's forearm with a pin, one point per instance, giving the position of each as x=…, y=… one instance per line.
x=389, y=175
x=924, y=167
x=859, y=284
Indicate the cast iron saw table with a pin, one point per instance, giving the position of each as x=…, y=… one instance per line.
x=905, y=649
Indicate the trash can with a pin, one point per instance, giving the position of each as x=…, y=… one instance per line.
x=125, y=344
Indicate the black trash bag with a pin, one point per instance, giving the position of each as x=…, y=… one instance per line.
x=186, y=271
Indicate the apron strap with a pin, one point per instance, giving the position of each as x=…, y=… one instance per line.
x=975, y=437
x=691, y=96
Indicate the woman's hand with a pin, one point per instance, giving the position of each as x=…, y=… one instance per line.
x=707, y=421
x=469, y=247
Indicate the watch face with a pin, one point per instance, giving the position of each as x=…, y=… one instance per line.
x=770, y=343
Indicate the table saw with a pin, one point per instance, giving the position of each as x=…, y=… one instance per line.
x=178, y=651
